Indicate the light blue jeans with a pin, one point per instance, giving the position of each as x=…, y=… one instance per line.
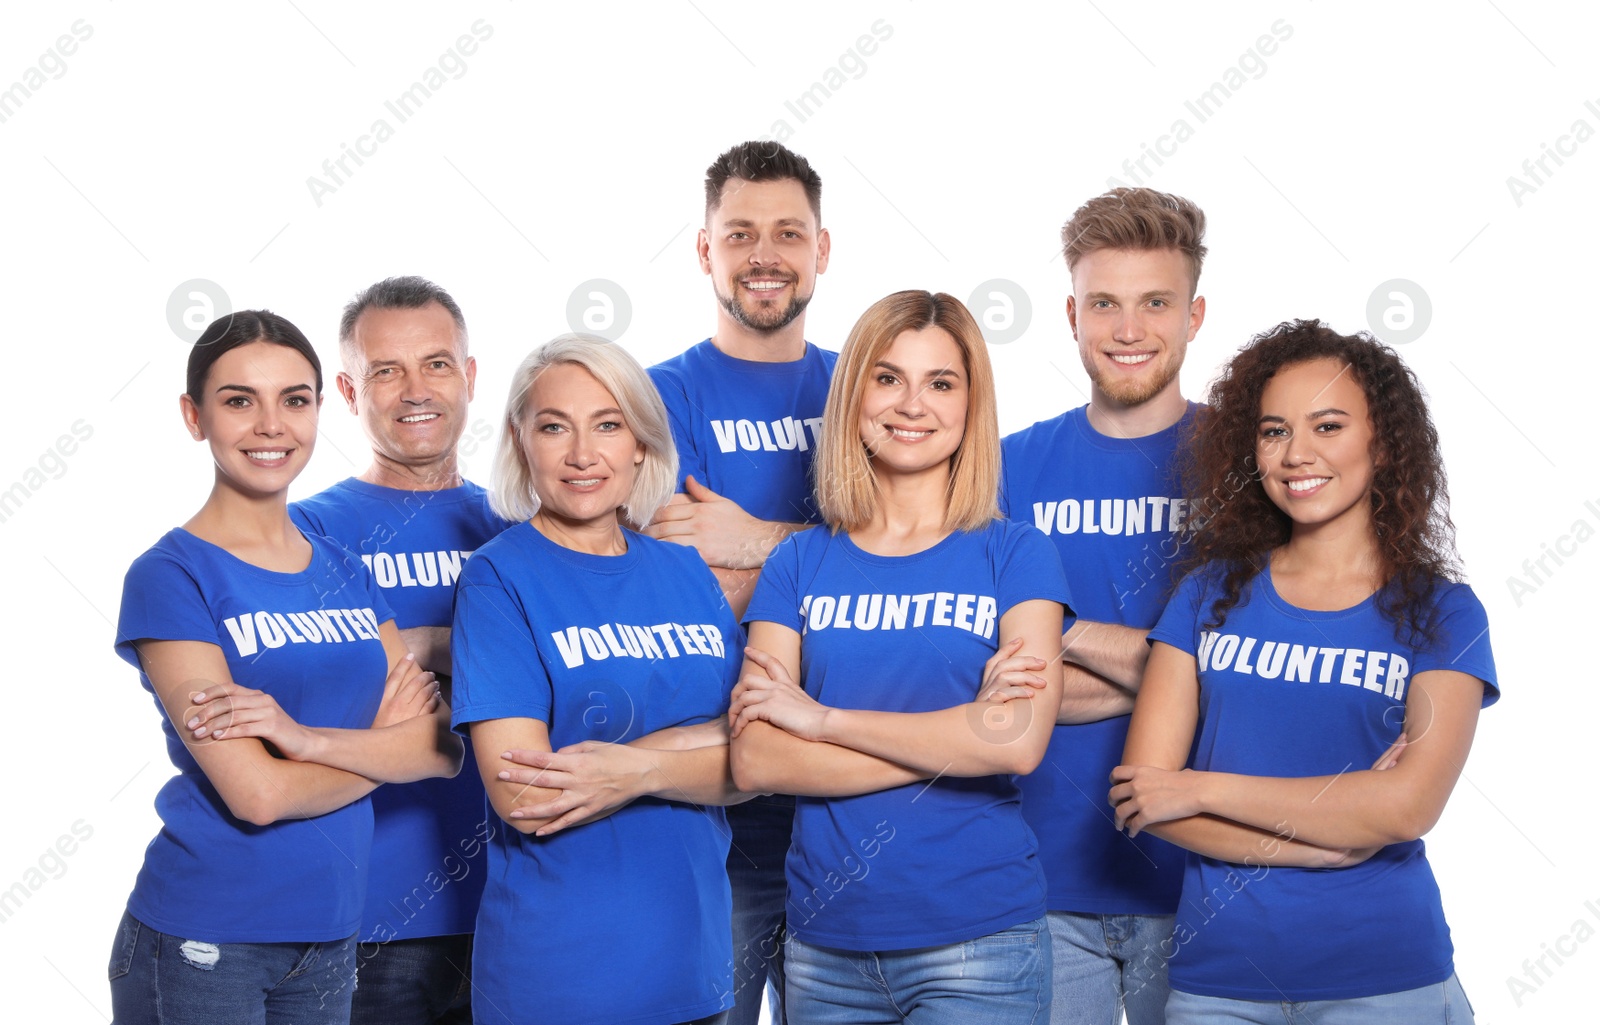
x=1105, y=964
x=999, y=979
x=1441, y=1004
x=158, y=979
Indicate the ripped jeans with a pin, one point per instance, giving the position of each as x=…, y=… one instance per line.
x=158, y=979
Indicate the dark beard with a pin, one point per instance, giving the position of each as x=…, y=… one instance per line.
x=768, y=323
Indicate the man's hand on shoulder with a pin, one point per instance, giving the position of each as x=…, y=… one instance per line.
x=725, y=535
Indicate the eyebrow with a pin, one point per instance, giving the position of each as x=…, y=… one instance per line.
x=948, y=371
x=781, y=222
x=1160, y=293
x=251, y=391
x=1315, y=415
x=563, y=414
x=430, y=357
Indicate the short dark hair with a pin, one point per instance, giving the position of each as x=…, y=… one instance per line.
x=1127, y=218
x=409, y=292
x=762, y=160
x=232, y=330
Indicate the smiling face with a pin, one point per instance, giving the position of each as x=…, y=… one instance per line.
x=582, y=457
x=763, y=249
x=258, y=410
x=1314, y=446
x=410, y=381
x=914, y=405
x=1133, y=318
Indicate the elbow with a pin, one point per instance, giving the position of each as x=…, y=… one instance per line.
x=1023, y=760
x=1408, y=814
x=259, y=807
x=524, y=826
x=454, y=753
x=754, y=770
x=1019, y=744
x=745, y=768
x=1413, y=823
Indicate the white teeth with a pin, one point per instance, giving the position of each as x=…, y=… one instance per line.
x=417, y=418
x=1307, y=485
x=267, y=457
x=764, y=286
x=583, y=483
x=1132, y=360
x=897, y=432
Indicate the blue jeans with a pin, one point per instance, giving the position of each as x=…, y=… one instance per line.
x=1441, y=1004
x=158, y=979
x=999, y=979
x=761, y=829
x=1108, y=964
x=422, y=981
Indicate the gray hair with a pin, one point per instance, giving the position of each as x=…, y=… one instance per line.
x=511, y=493
x=409, y=292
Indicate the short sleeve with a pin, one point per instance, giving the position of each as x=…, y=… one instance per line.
x=1030, y=568
x=777, y=595
x=673, y=396
x=496, y=670
x=1460, y=640
x=306, y=519
x=1177, y=625
x=161, y=601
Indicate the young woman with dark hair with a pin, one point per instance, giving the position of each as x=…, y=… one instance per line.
x=1323, y=632
x=287, y=697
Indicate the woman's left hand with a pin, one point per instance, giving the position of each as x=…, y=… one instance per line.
x=772, y=696
x=1144, y=795
x=595, y=779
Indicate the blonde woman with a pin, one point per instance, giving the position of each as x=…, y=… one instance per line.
x=915, y=890
x=599, y=662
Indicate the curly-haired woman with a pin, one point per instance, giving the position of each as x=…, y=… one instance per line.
x=1323, y=632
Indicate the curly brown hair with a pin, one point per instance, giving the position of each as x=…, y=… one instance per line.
x=1235, y=525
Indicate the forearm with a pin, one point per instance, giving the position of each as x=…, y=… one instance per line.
x=737, y=587
x=431, y=645
x=686, y=738
x=696, y=776
x=1224, y=840
x=757, y=540
x=766, y=760
x=1088, y=697
x=1116, y=653
x=974, y=739
x=691, y=764
x=278, y=789
x=419, y=748
x=1353, y=809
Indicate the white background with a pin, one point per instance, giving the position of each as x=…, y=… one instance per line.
x=1376, y=144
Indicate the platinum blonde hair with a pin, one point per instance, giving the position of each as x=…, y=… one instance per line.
x=511, y=492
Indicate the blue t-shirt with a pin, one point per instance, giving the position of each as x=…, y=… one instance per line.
x=1286, y=691
x=623, y=920
x=933, y=862
x=428, y=836
x=310, y=639
x=1112, y=508
x=748, y=430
